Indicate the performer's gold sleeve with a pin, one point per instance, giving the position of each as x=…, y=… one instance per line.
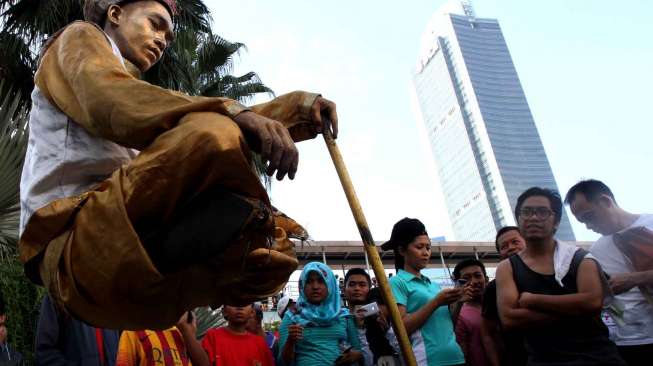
x=80, y=74
x=294, y=111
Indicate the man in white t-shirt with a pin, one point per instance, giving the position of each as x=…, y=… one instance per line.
x=594, y=205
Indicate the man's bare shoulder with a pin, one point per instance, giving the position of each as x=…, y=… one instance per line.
x=504, y=265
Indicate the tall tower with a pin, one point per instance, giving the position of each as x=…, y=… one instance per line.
x=483, y=137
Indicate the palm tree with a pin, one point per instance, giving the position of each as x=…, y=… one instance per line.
x=198, y=63
x=13, y=143
x=22, y=297
x=201, y=63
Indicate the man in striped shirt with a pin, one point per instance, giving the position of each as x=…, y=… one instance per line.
x=150, y=347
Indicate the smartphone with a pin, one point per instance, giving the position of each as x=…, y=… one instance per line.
x=367, y=310
x=189, y=318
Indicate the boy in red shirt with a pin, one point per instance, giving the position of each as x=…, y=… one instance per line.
x=228, y=346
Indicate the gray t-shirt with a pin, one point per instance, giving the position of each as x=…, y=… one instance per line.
x=638, y=312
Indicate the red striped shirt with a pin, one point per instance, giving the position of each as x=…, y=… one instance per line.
x=144, y=338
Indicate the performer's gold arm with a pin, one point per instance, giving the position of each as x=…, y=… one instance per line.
x=80, y=74
x=293, y=110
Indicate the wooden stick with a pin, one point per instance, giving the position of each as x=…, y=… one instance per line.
x=370, y=248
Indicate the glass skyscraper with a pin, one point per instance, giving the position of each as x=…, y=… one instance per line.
x=482, y=134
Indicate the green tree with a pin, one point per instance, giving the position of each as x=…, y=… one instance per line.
x=23, y=301
x=21, y=296
x=198, y=63
x=13, y=143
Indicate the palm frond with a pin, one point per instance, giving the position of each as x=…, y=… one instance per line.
x=9, y=221
x=215, y=55
x=13, y=144
x=241, y=88
x=193, y=14
x=17, y=65
x=35, y=20
x=174, y=71
x=207, y=318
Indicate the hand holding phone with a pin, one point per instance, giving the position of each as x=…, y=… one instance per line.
x=366, y=310
x=342, y=356
x=295, y=333
x=449, y=295
x=349, y=357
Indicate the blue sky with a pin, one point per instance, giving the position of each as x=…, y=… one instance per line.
x=585, y=67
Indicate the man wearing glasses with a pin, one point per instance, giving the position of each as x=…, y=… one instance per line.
x=552, y=291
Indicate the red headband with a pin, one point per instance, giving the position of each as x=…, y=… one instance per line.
x=172, y=6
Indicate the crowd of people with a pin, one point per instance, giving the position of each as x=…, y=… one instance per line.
x=543, y=308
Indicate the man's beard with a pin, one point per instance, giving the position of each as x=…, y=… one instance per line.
x=537, y=240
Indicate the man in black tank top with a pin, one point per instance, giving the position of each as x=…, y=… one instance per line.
x=556, y=307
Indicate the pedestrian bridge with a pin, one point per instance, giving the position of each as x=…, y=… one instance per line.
x=346, y=254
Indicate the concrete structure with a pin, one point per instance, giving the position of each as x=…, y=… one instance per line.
x=347, y=254
x=483, y=137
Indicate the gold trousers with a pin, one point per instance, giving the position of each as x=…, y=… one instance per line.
x=88, y=255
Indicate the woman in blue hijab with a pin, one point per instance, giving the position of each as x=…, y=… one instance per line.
x=321, y=332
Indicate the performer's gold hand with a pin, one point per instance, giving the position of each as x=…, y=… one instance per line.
x=272, y=141
x=325, y=108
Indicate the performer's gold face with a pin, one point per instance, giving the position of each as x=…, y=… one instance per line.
x=142, y=30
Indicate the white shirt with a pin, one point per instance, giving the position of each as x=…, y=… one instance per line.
x=417, y=343
x=638, y=312
x=365, y=347
x=63, y=160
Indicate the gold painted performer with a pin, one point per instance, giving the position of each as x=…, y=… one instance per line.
x=139, y=203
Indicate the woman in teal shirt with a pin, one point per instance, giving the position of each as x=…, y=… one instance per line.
x=422, y=304
x=320, y=332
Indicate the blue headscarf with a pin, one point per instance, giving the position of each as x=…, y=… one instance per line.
x=330, y=310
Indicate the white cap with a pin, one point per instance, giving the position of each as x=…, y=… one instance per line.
x=283, y=304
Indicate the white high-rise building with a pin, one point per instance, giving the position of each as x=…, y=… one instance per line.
x=483, y=137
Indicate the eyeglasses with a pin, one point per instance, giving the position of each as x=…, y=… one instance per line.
x=541, y=213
